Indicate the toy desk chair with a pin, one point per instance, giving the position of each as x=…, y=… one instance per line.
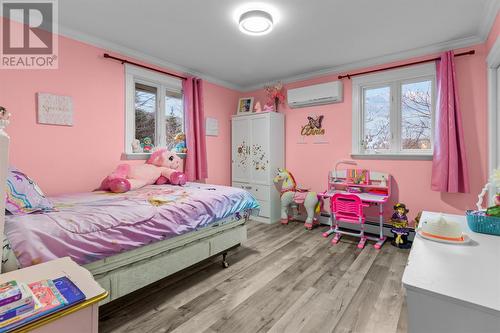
x=347, y=208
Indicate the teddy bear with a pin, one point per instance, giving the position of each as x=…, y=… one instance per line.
x=160, y=168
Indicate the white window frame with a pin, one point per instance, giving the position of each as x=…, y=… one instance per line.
x=162, y=83
x=393, y=79
x=493, y=63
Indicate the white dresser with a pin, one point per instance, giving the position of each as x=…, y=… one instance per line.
x=258, y=149
x=453, y=288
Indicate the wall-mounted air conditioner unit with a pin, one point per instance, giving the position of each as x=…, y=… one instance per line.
x=318, y=94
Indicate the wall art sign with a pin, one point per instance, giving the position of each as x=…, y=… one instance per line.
x=211, y=126
x=314, y=126
x=55, y=109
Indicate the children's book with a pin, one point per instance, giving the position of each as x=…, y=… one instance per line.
x=21, y=310
x=9, y=292
x=50, y=300
x=26, y=299
x=69, y=290
x=51, y=295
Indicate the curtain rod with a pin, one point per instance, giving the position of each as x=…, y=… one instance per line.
x=125, y=61
x=403, y=65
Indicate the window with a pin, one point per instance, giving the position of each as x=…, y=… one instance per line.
x=393, y=112
x=154, y=110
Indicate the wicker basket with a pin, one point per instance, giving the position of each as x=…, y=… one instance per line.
x=479, y=222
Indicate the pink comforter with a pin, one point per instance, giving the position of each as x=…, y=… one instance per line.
x=92, y=226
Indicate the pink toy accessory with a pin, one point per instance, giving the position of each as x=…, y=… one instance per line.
x=160, y=168
x=119, y=185
x=178, y=178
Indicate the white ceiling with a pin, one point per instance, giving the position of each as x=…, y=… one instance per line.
x=311, y=37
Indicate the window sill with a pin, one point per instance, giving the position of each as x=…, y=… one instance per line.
x=410, y=157
x=144, y=156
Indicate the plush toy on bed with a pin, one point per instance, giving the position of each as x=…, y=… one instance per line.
x=160, y=168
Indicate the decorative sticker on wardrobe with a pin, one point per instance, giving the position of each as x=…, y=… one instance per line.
x=243, y=154
x=259, y=158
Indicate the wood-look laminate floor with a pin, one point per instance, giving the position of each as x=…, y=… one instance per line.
x=283, y=279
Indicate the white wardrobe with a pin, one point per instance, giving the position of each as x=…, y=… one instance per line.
x=258, y=150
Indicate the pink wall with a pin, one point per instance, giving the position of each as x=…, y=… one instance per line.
x=220, y=103
x=310, y=163
x=70, y=159
x=495, y=31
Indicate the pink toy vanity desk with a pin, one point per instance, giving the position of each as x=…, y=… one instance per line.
x=372, y=187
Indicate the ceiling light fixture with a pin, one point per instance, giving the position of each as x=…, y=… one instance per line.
x=256, y=22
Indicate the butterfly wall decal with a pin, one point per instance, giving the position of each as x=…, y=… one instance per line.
x=315, y=123
x=314, y=126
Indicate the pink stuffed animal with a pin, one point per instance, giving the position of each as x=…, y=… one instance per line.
x=160, y=168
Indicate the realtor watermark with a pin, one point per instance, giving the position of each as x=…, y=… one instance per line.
x=29, y=36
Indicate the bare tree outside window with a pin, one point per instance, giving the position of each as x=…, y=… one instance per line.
x=145, y=113
x=377, y=124
x=416, y=121
x=393, y=112
x=174, y=117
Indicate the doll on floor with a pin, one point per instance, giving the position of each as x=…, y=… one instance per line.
x=399, y=228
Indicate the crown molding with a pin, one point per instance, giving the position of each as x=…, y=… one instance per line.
x=128, y=52
x=489, y=13
x=388, y=58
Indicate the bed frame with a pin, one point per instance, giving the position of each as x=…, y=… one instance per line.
x=126, y=272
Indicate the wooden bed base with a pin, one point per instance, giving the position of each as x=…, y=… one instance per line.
x=126, y=272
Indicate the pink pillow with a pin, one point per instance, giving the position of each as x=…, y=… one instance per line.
x=23, y=196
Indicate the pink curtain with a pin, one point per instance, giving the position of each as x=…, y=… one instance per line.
x=196, y=159
x=449, y=164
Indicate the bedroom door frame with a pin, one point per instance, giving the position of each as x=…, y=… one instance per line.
x=493, y=65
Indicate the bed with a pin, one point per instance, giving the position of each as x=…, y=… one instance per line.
x=130, y=240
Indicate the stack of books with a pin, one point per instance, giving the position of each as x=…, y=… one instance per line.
x=22, y=303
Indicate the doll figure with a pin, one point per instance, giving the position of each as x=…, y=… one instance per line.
x=136, y=146
x=147, y=145
x=257, y=108
x=399, y=228
x=180, y=143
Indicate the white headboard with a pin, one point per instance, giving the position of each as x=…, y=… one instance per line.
x=4, y=164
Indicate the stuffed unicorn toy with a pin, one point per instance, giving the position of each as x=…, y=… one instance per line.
x=290, y=193
x=160, y=168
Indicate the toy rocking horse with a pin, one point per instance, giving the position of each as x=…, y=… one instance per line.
x=290, y=193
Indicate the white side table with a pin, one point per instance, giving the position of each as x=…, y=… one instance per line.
x=451, y=287
x=80, y=318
